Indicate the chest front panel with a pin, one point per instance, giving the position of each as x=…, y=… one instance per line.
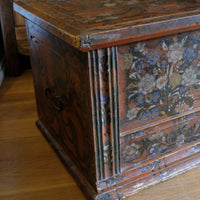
x=158, y=79
x=159, y=87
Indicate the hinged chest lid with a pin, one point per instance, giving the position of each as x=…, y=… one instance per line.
x=90, y=24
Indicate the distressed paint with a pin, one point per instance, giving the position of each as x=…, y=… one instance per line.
x=104, y=99
x=162, y=168
x=161, y=79
x=159, y=140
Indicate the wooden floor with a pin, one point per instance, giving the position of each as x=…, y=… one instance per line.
x=29, y=168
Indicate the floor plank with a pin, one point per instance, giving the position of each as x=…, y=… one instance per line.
x=30, y=169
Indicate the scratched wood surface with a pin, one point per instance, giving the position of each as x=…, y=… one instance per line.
x=29, y=168
x=89, y=24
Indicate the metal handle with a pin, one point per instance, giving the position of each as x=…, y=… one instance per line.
x=54, y=101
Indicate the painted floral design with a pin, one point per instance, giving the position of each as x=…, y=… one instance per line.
x=131, y=151
x=139, y=99
x=152, y=57
x=189, y=76
x=150, y=143
x=174, y=52
x=138, y=66
x=132, y=114
x=190, y=54
x=146, y=83
x=163, y=76
x=162, y=81
x=155, y=97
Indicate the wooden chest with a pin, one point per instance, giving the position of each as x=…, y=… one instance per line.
x=118, y=88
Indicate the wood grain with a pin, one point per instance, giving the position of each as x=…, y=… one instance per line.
x=63, y=104
x=19, y=20
x=91, y=24
x=22, y=42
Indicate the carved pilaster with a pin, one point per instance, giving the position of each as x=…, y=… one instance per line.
x=103, y=70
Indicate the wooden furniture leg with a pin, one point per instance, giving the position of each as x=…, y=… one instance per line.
x=9, y=38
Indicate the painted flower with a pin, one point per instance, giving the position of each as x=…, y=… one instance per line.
x=183, y=89
x=161, y=81
x=132, y=114
x=164, y=64
x=126, y=61
x=152, y=57
x=165, y=46
x=189, y=77
x=183, y=67
x=175, y=52
x=146, y=84
x=158, y=135
x=189, y=54
x=155, y=97
x=140, y=47
x=130, y=151
x=145, y=116
x=155, y=112
x=139, y=99
x=175, y=80
x=181, y=107
x=154, y=150
x=180, y=140
x=196, y=38
x=138, y=66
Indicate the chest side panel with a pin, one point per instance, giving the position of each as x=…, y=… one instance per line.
x=61, y=80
